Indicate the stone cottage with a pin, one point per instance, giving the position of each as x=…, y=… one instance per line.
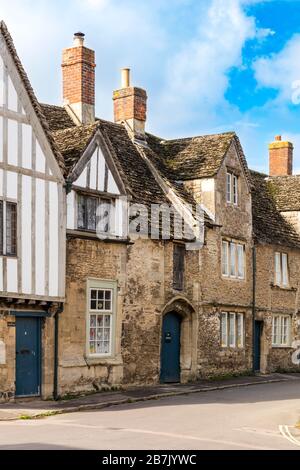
x=88, y=302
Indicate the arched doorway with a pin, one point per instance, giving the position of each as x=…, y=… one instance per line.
x=179, y=353
x=170, y=348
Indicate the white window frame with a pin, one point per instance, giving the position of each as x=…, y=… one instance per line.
x=232, y=191
x=281, y=269
x=279, y=333
x=97, y=284
x=237, y=339
x=231, y=252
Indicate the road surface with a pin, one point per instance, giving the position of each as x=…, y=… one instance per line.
x=234, y=419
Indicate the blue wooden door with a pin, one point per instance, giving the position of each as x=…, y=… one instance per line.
x=257, y=345
x=170, y=349
x=28, y=356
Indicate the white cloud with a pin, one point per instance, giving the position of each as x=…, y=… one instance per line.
x=280, y=71
x=184, y=71
x=197, y=76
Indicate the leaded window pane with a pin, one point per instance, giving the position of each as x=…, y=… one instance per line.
x=11, y=229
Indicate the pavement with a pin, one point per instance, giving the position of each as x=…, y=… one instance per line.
x=34, y=409
x=258, y=417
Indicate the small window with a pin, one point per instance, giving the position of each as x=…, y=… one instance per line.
x=281, y=270
x=233, y=260
x=281, y=327
x=232, y=330
x=231, y=188
x=95, y=214
x=178, y=266
x=100, y=318
x=8, y=228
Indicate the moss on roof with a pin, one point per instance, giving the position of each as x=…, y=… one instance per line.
x=286, y=192
x=269, y=226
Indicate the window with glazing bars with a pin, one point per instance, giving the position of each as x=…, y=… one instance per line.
x=8, y=228
x=94, y=213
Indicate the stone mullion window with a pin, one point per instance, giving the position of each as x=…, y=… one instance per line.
x=281, y=330
x=231, y=188
x=233, y=260
x=232, y=327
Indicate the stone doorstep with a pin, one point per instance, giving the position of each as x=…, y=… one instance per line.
x=40, y=409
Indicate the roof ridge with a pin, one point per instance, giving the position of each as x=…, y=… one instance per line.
x=179, y=139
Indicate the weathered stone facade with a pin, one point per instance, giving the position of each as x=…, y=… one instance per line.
x=272, y=300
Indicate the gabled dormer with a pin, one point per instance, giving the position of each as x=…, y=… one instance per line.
x=95, y=202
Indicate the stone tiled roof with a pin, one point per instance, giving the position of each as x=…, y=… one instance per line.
x=286, y=192
x=134, y=171
x=135, y=174
x=38, y=110
x=269, y=226
x=57, y=117
x=192, y=158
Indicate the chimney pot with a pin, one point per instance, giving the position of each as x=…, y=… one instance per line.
x=278, y=138
x=78, y=39
x=125, y=75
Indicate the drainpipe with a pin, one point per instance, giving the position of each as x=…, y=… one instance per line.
x=253, y=305
x=56, y=330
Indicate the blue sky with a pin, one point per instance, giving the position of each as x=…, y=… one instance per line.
x=208, y=65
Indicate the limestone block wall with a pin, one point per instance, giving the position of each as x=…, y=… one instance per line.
x=89, y=259
x=272, y=300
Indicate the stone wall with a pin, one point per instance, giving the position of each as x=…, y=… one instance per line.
x=271, y=300
x=89, y=259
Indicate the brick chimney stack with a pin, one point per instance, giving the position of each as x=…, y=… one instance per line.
x=78, y=67
x=130, y=106
x=281, y=157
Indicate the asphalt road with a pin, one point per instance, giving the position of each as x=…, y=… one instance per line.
x=234, y=419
